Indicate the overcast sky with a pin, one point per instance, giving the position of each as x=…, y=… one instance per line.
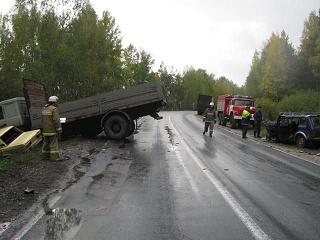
x=217, y=35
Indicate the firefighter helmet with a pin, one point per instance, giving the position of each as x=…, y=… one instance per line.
x=53, y=99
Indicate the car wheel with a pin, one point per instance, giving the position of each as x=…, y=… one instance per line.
x=268, y=138
x=301, y=141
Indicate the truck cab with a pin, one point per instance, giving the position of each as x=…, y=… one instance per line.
x=13, y=112
x=230, y=109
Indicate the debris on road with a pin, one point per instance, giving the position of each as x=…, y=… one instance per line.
x=29, y=191
x=4, y=227
x=13, y=139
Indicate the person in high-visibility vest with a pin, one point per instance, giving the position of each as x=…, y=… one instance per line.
x=245, y=121
x=51, y=129
x=209, y=118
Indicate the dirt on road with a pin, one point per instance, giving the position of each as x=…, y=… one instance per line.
x=26, y=179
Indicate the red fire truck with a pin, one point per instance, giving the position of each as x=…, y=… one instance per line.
x=230, y=109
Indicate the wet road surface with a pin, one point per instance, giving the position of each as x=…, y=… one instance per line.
x=171, y=182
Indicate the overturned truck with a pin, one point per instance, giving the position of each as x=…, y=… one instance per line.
x=112, y=112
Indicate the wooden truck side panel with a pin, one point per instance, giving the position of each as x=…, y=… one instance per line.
x=120, y=100
x=137, y=101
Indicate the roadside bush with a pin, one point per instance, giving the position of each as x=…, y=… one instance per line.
x=308, y=101
x=270, y=109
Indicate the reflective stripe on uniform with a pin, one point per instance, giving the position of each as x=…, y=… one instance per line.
x=54, y=152
x=49, y=134
x=46, y=112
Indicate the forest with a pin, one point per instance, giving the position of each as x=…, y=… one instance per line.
x=75, y=53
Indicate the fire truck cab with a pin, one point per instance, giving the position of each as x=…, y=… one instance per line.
x=229, y=108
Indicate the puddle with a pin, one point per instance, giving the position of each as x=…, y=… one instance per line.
x=98, y=177
x=85, y=161
x=77, y=175
x=63, y=224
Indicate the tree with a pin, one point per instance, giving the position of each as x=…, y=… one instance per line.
x=195, y=82
x=278, y=60
x=254, y=78
x=310, y=54
x=137, y=66
x=171, y=83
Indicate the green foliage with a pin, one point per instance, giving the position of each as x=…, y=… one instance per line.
x=137, y=66
x=270, y=109
x=172, y=85
x=195, y=82
x=223, y=85
x=309, y=77
x=277, y=62
x=13, y=160
x=254, y=77
x=73, y=53
x=306, y=101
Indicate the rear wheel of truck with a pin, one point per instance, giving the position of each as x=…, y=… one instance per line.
x=233, y=123
x=220, y=118
x=116, y=127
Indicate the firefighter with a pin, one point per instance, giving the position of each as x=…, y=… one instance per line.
x=51, y=129
x=257, y=122
x=209, y=117
x=245, y=121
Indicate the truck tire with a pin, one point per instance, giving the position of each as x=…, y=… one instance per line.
x=116, y=127
x=220, y=118
x=132, y=127
x=233, y=123
x=301, y=141
x=224, y=120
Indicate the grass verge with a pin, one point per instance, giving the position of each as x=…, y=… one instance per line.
x=14, y=160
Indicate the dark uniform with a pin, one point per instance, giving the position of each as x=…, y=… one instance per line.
x=245, y=122
x=209, y=119
x=257, y=122
x=51, y=127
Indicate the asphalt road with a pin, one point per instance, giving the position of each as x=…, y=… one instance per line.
x=171, y=182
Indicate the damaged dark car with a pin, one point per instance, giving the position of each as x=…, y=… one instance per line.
x=303, y=129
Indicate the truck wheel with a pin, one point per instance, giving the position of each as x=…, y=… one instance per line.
x=233, y=123
x=220, y=118
x=116, y=127
x=133, y=127
x=301, y=141
x=224, y=121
